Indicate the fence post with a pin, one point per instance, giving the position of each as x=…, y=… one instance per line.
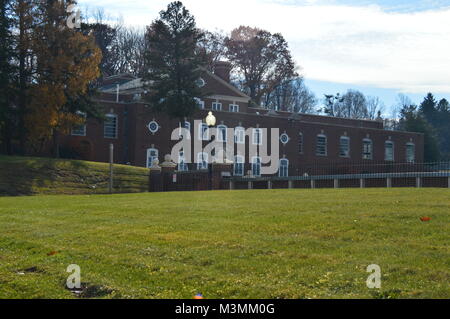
x=449, y=182
x=291, y=184
x=167, y=170
x=313, y=183
x=336, y=183
x=250, y=185
x=389, y=182
x=269, y=184
x=362, y=183
x=418, y=182
x=155, y=178
x=111, y=171
x=232, y=186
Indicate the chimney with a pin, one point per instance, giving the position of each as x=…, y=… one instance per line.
x=223, y=69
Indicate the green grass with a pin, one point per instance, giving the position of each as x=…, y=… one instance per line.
x=231, y=244
x=33, y=176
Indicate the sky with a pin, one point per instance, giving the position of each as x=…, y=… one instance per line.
x=381, y=48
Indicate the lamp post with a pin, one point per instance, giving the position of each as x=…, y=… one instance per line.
x=211, y=122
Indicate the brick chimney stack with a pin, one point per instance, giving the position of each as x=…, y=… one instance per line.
x=223, y=70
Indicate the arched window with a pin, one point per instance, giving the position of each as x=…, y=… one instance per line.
x=257, y=136
x=367, y=149
x=80, y=130
x=152, y=155
x=321, y=145
x=239, y=165
x=239, y=135
x=300, y=143
x=182, y=166
x=410, y=153
x=185, y=128
x=203, y=132
x=389, y=151
x=256, y=166
x=222, y=133
x=344, y=146
x=284, y=168
x=110, y=126
x=202, y=161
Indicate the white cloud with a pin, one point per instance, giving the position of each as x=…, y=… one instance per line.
x=343, y=44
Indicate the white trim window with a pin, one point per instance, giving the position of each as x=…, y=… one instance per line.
x=182, y=166
x=217, y=106
x=344, y=146
x=239, y=163
x=187, y=128
x=410, y=153
x=389, y=151
x=239, y=135
x=203, y=132
x=200, y=103
x=152, y=155
x=202, y=161
x=80, y=130
x=222, y=133
x=234, y=108
x=257, y=136
x=321, y=145
x=300, y=143
x=256, y=166
x=367, y=149
x=110, y=126
x=283, y=170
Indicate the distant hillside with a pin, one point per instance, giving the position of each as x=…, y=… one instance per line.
x=29, y=176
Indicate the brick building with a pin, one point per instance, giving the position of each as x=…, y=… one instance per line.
x=140, y=136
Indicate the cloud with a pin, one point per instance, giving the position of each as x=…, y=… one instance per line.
x=364, y=45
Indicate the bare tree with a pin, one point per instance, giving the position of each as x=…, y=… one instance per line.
x=261, y=60
x=353, y=104
x=375, y=107
x=212, y=48
x=292, y=96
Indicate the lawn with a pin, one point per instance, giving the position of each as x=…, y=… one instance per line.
x=230, y=244
x=47, y=176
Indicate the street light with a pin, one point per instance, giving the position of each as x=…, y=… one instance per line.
x=211, y=122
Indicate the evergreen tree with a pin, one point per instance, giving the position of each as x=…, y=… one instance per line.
x=174, y=67
x=412, y=120
x=428, y=108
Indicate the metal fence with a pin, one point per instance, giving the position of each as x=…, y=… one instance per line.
x=357, y=175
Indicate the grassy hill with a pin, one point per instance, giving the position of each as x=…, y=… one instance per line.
x=31, y=176
x=228, y=244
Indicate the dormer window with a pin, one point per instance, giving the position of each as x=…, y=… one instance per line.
x=216, y=106
x=234, y=108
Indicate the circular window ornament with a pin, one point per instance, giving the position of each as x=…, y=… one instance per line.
x=153, y=127
x=284, y=138
x=201, y=83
